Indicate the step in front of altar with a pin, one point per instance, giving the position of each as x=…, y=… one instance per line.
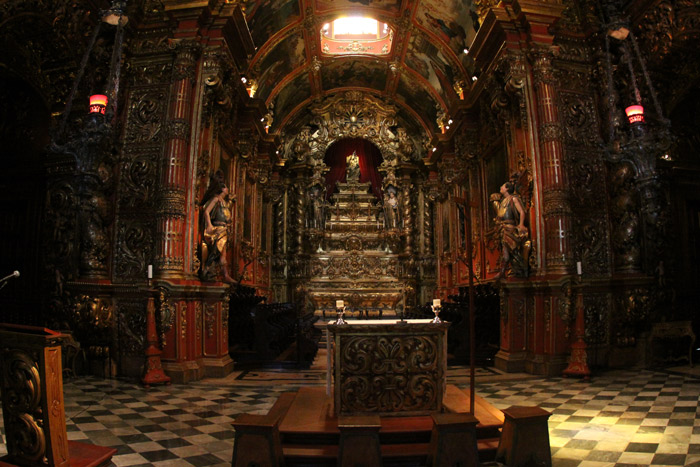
x=310, y=433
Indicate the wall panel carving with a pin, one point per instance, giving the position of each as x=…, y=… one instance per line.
x=146, y=114
x=131, y=327
x=135, y=243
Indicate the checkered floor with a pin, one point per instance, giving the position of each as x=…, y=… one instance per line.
x=616, y=419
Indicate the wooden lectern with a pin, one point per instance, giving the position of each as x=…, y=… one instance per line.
x=31, y=381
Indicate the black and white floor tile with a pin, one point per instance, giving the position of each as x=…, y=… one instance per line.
x=616, y=419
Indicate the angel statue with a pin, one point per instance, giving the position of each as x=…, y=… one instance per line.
x=353, y=167
x=215, y=217
x=513, y=235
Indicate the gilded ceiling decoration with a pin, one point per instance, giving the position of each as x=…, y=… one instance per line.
x=426, y=62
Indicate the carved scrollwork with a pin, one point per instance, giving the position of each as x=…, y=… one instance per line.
x=624, y=210
x=21, y=386
x=353, y=114
x=597, y=318
x=60, y=222
x=132, y=327
x=145, y=116
x=138, y=178
x=384, y=374
x=579, y=120
x=134, y=245
x=592, y=243
x=633, y=309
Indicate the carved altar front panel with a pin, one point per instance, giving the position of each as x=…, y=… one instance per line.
x=389, y=368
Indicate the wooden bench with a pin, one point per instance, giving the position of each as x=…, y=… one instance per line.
x=257, y=438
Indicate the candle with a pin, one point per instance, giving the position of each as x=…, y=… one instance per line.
x=339, y=304
x=578, y=268
x=436, y=302
x=150, y=271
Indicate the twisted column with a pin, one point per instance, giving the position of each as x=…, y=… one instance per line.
x=299, y=210
x=171, y=206
x=407, y=217
x=428, y=223
x=557, y=212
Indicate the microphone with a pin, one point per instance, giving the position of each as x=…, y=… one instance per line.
x=10, y=276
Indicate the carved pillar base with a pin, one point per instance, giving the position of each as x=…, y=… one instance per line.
x=546, y=365
x=184, y=372
x=217, y=367
x=510, y=362
x=196, y=345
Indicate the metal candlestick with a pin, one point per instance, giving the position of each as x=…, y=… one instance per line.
x=436, y=310
x=341, y=312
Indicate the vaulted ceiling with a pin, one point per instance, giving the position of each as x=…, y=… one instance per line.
x=427, y=58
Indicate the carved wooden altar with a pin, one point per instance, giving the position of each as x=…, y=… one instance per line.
x=389, y=368
x=354, y=259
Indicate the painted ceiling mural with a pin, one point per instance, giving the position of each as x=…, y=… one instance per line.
x=427, y=58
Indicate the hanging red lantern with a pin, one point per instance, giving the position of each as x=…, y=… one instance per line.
x=635, y=113
x=98, y=104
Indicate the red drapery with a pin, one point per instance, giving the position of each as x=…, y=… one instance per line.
x=369, y=156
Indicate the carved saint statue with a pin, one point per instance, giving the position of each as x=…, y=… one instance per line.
x=353, y=167
x=316, y=208
x=392, y=209
x=513, y=235
x=214, y=221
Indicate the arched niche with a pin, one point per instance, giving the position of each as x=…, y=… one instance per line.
x=369, y=158
x=353, y=114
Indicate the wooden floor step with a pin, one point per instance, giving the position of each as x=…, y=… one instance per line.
x=487, y=449
x=392, y=454
x=330, y=452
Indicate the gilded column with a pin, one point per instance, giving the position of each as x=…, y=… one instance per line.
x=407, y=216
x=299, y=210
x=557, y=212
x=171, y=206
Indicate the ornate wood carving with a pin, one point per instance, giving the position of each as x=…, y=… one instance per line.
x=389, y=369
x=354, y=114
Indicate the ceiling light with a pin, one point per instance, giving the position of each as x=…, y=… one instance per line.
x=355, y=25
x=474, y=78
x=434, y=149
x=466, y=50
x=243, y=79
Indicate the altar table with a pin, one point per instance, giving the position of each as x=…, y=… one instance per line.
x=387, y=367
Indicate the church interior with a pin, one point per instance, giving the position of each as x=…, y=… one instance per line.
x=211, y=209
